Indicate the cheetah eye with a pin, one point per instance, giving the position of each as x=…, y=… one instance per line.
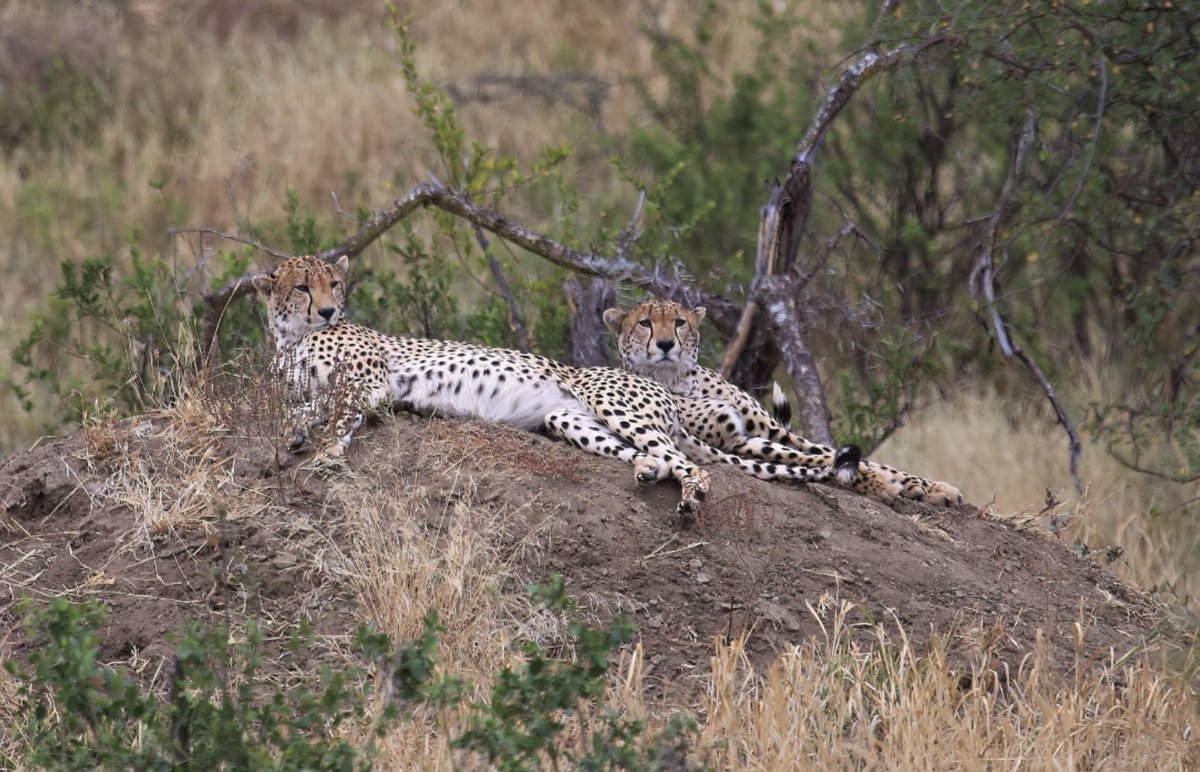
x=679, y=323
x=645, y=323
x=302, y=287
x=335, y=284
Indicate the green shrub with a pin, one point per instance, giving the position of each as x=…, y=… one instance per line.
x=225, y=709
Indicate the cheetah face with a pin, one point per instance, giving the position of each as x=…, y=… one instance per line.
x=657, y=336
x=303, y=294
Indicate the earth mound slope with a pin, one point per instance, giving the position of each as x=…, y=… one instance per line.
x=167, y=524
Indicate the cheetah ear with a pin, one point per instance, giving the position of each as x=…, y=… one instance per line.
x=264, y=283
x=699, y=312
x=342, y=264
x=613, y=318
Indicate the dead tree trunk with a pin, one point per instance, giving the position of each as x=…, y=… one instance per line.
x=760, y=344
x=784, y=316
x=585, y=342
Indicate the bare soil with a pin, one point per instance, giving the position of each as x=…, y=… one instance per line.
x=758, y=557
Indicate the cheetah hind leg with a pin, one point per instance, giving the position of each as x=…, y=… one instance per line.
x=585, y=432
x=886, y=483
x=918, y=488
x=767, y=463
x=879, y=480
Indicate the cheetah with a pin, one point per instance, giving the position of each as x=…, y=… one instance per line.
x=603, y=411
x=659, y=339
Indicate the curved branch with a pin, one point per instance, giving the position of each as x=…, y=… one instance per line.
x=1101, y=100
x=616, y=268
x=984, y=273
x=229, y=237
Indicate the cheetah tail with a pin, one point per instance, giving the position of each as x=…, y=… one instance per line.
x=780, y=406
x=845, y=463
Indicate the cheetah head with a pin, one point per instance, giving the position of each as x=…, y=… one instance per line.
x=303, y=294
x=657, y=338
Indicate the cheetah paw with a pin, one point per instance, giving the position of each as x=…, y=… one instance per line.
x=944, y=494
x=694, y=491
x=330, y=461
x=648, y=469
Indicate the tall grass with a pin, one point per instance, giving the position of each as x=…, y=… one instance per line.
x=865, y=698
x=1011, y=458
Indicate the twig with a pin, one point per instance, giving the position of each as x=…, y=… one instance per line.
x=985, y=272
x=898, y=420
x=230, y=237
x=630, y=233
x=1136, y=467
x=1087, y=163
x=764, y=264
x=677, y=550
x=514, y=316
x=337, y=208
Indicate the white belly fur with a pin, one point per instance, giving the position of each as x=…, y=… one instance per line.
x=419, y=386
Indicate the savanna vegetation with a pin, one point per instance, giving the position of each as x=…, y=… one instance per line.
x=1010, y=209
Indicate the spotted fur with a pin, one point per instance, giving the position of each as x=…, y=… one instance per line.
x=659, y=339
x=603, y=411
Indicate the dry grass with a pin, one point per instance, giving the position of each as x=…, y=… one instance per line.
x=1009, y=458
x=171, y=470
x=417, y=536
x=863, y=698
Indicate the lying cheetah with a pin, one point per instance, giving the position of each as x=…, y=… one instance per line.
x=659, y=339
x=603, y=411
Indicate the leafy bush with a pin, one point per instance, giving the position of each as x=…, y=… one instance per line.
x=222, y=711
x=134, y=333
x=225, y=710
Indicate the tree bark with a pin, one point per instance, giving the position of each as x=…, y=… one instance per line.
x=585, y=343
x=781, y=305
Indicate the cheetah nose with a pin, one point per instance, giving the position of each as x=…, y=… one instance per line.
x=327, y=313
x=666, y=345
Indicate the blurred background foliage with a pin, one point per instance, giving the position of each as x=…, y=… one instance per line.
x=124, y=124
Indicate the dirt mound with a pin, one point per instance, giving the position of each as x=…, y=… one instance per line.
x=260, y=537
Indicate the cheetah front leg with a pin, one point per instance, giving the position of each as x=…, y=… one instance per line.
x=346, y=409
x=588, y=433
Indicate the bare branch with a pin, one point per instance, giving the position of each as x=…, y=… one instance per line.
x=764, y=263
x=894, y=425
x=985, y=273
x=782, y=223
x=585, y=341
x=1133, y=465
x=1101, y=100
x=514, y=316
x=631, y=232
x=337, y=208
x=779, y=302
x=617, y=268
x=1073, y=443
